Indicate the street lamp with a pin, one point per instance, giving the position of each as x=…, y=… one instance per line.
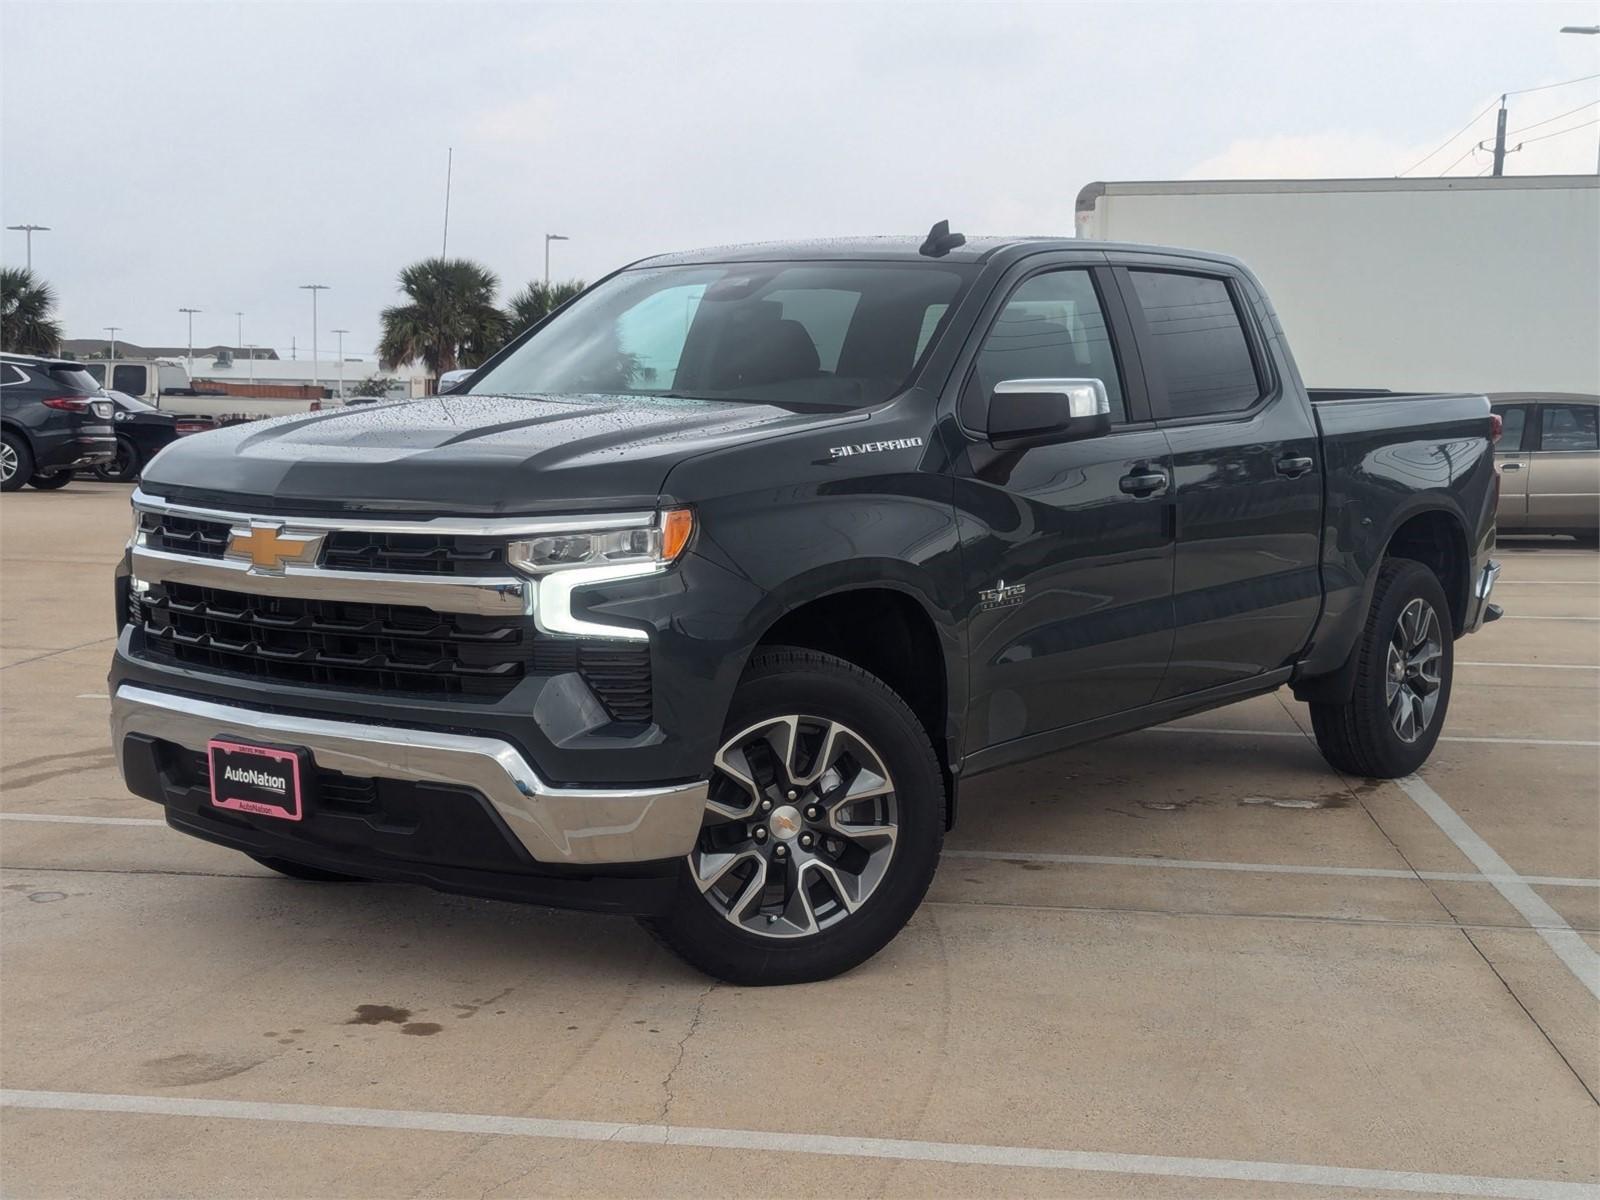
x=191, y=312
x=314, y=288
x=1589, y=29
x=112, y=330
x=252, y=349
x=239, y=341
x=341, y=333
x=548, y=238
x=29, y=231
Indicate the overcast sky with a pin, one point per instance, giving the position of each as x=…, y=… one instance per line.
x=219, y=154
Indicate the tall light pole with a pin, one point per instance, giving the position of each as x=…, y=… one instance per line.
x=251, y=348
x=28, y=231
x=191, y=312
x=548, y=238
x=316, y=367
x=1591, y=30
x=341, y=333
x=112, y=330
x=239, y=341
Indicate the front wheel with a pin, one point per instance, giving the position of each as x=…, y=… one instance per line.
x=1405, y=662
x=822, y=829
x=49, y=483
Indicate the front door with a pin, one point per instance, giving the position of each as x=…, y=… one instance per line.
x=1066, y=548
x=1247, y=478
x=1564, y=481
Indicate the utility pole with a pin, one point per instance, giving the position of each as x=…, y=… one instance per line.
x=341, y=333
x=112, y=330
x=449, y=163
x=1500, y=140
x=252, y=350
x=191, y=312
x=28, y=231
x=239, y=341
x=316, y=367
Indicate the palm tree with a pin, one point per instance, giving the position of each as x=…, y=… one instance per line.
x=27, y=323
x=538, y=300
x=451, y=320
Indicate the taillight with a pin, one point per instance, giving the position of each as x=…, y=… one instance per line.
x=1497, y=426
x=186, y=427
x=316, y=406
x=75, y=404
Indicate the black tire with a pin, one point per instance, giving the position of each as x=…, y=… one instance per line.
x=51, y=482
x=780, y=681
x=310, y=874
x=125, y=467
x=1359, y=737
x=18, y=463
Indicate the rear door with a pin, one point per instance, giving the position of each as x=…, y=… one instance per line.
x=1247, y=477
x=1564, y=478
x=1512, y=461
x=1066, y=552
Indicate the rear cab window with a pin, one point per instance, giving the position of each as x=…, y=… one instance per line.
x=128, y=378
x=1196, y=347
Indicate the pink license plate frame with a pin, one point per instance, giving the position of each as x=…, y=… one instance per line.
x=242, y=775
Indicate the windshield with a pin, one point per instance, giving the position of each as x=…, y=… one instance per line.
x=836, y=334
x=132, y=403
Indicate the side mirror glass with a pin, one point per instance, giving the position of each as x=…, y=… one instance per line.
x=451, y=380
x=1040, y=411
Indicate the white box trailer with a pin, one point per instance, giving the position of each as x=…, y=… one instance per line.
x=1476, y=285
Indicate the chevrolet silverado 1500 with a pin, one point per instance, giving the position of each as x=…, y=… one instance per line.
x=702, y=599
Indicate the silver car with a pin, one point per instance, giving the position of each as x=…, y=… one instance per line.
x=1549, y=462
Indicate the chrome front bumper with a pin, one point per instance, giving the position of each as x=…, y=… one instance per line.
x=1482, y=610
x=555, y=824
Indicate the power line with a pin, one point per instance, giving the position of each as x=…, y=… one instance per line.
x=1557, y=117
x=1559, y=132
x=1472, y=149
x=1450, y=139
x=1519, y=92
x=1545, y=87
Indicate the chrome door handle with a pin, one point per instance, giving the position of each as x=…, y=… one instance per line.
x=1143, y=483
x=1293, y=468
x=1510, y=466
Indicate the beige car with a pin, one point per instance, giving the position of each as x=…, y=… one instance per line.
x=1549, y=462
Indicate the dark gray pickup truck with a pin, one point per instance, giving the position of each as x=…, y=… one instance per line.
x=702, y=599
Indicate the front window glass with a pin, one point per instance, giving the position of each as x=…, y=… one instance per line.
x=834, y=334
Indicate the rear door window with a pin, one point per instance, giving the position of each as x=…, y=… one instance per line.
x=128, y=378
x=1201, y=355
x=75, y=379
x=1568, y=428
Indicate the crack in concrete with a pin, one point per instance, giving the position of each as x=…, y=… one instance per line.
x=668, y=1095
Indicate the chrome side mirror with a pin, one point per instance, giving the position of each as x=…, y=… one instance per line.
x=451, y=380
x=1039, y=411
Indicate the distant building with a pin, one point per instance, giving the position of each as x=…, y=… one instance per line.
x=101, y=348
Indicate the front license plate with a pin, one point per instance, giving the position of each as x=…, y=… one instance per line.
x=256, y=779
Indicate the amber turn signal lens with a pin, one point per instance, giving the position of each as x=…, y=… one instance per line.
x=676, y=526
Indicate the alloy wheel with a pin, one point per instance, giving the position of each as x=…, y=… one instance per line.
x=800, y=827
x=8, y=462
x=1412, y=674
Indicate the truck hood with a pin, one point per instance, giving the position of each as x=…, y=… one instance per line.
x=467, y=454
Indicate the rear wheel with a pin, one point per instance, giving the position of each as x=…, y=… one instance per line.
x=125, y=467
x=49, y=483
x=1405, y=662
x=294, y=870
x=822, y=828
x=16, y=463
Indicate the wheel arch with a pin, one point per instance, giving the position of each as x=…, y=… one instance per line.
x=891, y=630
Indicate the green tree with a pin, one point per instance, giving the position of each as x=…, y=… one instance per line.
x=450, y=319
x=374, y=386
x=538, y=300
x=27, y=313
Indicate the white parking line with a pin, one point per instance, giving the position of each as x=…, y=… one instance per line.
x=825, y=1145
x=66, y=819
x=1571, y=949
x=1194, y=864
x=1460, y=662
x=1290, y=733
x=1524, y=617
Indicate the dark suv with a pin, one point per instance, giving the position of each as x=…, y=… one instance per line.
x=53, y=419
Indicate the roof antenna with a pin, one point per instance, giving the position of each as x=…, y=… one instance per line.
x=941, y=241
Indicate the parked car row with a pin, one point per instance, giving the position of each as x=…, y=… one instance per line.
x=1549, y=462
x=55, y=419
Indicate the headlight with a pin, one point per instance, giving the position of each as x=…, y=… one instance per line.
x=646, y=546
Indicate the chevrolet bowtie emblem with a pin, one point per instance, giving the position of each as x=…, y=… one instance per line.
x=269, y=548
